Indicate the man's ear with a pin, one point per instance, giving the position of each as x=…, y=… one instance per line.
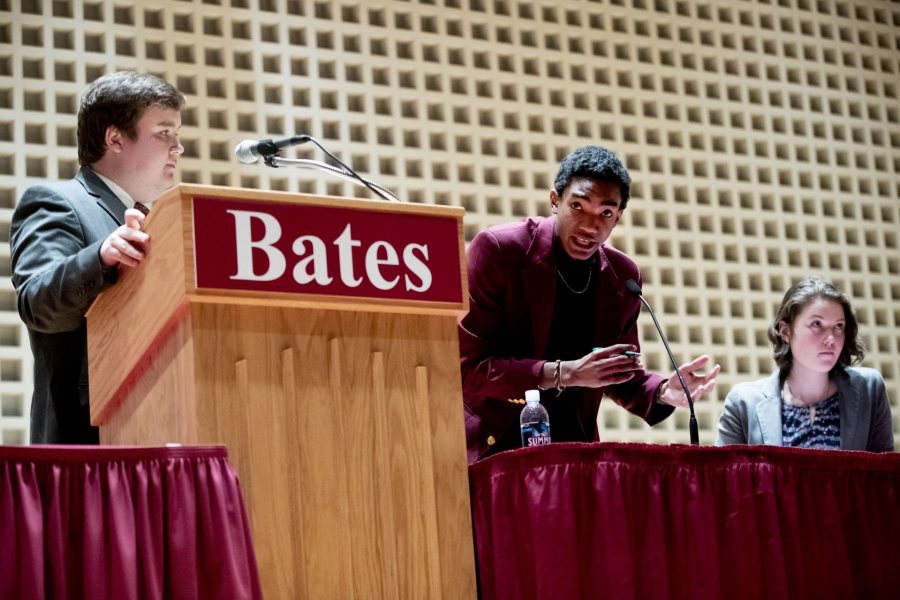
x=113, y=139
x=554, y=201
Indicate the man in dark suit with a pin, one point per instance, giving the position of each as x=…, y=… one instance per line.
x=548, y=309
x=69, y=240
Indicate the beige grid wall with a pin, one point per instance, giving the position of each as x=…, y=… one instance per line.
x=763, y=137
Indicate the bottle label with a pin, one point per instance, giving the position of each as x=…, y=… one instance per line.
x=535, y=434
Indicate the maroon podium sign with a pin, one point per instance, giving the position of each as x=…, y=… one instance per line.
x=335, y=251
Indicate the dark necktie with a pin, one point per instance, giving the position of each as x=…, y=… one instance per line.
x=142, y=208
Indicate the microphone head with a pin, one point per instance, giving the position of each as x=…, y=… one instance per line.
x=246, y=152
x=633, y=287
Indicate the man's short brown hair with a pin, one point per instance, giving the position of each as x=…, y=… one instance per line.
x=119, y=99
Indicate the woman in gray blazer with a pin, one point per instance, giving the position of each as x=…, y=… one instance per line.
x=815, y=399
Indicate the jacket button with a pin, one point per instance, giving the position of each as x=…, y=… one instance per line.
x=491, y=440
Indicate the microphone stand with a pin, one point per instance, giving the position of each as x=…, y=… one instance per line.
x=694, y=429
x=276, y=161
x=272, y=159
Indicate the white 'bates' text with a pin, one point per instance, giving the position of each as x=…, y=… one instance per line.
x=312, y=257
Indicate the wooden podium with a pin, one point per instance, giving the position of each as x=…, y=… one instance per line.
x=338, y=396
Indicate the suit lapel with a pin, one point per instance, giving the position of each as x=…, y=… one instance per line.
x=848, y=405
x=539, y=281
x=104, y=197
x=768, y=412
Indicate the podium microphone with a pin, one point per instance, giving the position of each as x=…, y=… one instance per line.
x=635, y=289
x=249, y=151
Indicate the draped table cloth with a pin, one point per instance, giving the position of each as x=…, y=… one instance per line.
x=635, y=521
x=123, y=523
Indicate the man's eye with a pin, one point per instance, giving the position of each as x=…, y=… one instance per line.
x=607, y=213
x=576, y=206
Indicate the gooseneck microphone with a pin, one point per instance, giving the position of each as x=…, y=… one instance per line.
x=635, y=289
x=249, y=151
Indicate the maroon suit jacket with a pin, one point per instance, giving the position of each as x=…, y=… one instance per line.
x=512, y=286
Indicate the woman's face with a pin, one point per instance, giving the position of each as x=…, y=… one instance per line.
x=816, y=336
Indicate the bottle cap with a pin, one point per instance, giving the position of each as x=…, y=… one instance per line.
x=532, y=396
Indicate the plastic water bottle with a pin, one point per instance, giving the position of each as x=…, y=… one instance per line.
x=535, y=421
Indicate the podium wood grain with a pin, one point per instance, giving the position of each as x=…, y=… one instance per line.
x=345, y=426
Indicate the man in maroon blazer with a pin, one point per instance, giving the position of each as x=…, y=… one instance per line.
x=544, y=294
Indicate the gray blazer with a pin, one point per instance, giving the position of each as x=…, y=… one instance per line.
x=55, y=239
x=752, y=413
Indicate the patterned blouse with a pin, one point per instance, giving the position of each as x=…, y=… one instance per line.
x=812, y=426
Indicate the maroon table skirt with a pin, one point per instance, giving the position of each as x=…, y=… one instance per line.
x=634, y=521
x=123, y=523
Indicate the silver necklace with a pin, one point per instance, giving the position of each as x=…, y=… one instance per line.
x=566, y=283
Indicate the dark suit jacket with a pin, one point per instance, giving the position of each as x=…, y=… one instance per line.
x=55, y=242
x=752, y=413
x=512, y=287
